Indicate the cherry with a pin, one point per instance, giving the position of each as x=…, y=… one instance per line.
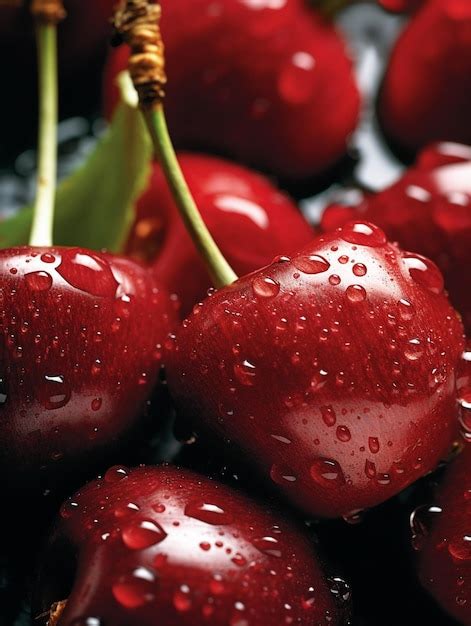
x=268, y=83
x=249, y=218
x=429, y=211
x=80, y=352
x=426, y=91
x=333, y=372
x=442, y=534
x=166, y=546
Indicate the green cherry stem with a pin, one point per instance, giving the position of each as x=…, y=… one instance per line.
x=219, y=269
x=43, y=216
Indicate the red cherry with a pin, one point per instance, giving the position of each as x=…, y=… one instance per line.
x=166, y=546
x=442, y=534
x=81, y=348
x=429, y=211
x=268, y=83
x=334, y=371
x=249, y=218
x=426, y=91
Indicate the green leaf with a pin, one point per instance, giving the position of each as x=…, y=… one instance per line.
x=95, y=205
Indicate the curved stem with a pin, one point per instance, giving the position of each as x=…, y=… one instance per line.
x=42, y=228
x=219, y=269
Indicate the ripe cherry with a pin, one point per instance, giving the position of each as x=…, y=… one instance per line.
x=442, y=534
x=426, y=91
x=428, y=211
x=268, y=83
x=249, y=218
x=333, y=372
x=80, y=353
x=166, y=546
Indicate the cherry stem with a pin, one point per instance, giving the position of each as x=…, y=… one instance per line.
x=219, y=269
x=43, y=216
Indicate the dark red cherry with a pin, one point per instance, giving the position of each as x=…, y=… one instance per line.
x=81, y=340
x=249, y=218
x=161, y=545
x=333, y=372
x=442, y=534
x=266, y=82
x=429, y=211
x=426, y=93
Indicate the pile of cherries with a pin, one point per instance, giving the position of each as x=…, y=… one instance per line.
x=333, y=377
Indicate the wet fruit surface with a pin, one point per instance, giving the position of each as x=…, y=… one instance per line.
x=429, y=211
x=167, y=542
x=334, y=371
x=426, y=91
x=250, y=220
x=445, y=541
x=81, y=348
x=279, y=95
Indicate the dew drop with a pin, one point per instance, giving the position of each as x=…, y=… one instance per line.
x=96, y=404
x=334, y=280
x=370, y=469
x=312, y=264
x=340, y=589
x=373, y=445
x=88, y=272
x=245, y=373
x=297, y=78
x=343, y=434
x=420, y=522
x=47, y=258
x=136, y=589
x=359, y=269
x=282, y=475
x=328, y=415
x=116, y=473
x=38, y=281
x=265, y=287
x=182, y=599
x=239, y=560
x=356, y=293
x=268, y=545
x=363, y=234
x=413, y=350
x=460, y=549
x=208, y=513
x=54, y=393
x=424, y=272
x=142, y=534
x=406, y=310
x=327, y=473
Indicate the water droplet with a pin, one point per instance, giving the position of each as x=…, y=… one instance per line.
x=265, y=287
x=421, y=520
x=406, y=310
x=363, y=234
x=136, y=589
x=356, y=293
x=208, y=513
x=460, y=548
x=96, y=404
x=38, y=281
x=328, y=415
x=68, y=509
x=370, y=469
x=312, y=264
x=334, y=280
x=359, y=269
x=424, y=272
x=116, y=473
x=245, y=373
x=340, y=589
x=413, y=350
x=297, y=78
x=327, y=473
x=126, y=510
x=47, y=258
x=373, y=445
x=239, y=560
x=343, y=434
x=88, y=272
x=182, y=599
x=268, y=545
x=54, y=393
x=282, y=475
x=217, y=586
x=205, y=546
x=142, y=534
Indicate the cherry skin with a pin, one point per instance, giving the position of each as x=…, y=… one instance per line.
x=160, y=545
x=426, y=91
x=80, y=353
x=445, y=549
x=249, y=218
x=333, y=372
x=429, y=211
x=267, y=83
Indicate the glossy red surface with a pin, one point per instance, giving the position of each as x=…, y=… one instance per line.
x=166, y=546
x=267, y=82
x=80, y=352
x=426, y=93
x=249, y=218
x=445, y=543
x=333, y=372
x=428, y=211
